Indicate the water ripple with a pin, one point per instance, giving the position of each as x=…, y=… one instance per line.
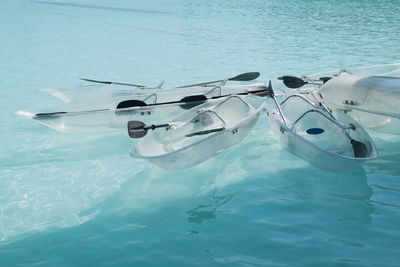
x=107, y=8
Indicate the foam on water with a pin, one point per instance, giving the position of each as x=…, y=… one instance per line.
x=79, y=199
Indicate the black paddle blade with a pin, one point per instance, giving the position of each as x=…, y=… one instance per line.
x=325, y=79
x=192, y=101
x=359, y=148
x=130, y=104
x=136, y=129
x=258, y=91
x=292, y=81
x=249, y=76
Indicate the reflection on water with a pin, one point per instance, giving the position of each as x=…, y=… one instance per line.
x=346, y=243
x=388, y=147
x=210, y=210
x=345, y=195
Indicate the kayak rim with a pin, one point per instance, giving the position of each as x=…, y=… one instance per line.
x=372, y=155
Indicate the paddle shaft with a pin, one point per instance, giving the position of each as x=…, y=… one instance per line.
x=197, y=99
x=295, y=82
x=118, y=83
x=152, y=127
x=248, y=76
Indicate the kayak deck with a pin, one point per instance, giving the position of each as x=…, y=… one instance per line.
x=198, y=134
x=333, y=142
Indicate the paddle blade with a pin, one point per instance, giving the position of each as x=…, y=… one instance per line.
x=258, y=91
x=325, y=79
x=249, y=76
x=192, y=101
x=130, y=104
x=242, y=77
x=136, y=129
x=359, y=148
x=292, y=81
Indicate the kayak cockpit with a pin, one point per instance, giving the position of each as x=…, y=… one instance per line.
x=331, y=131
x=193, y=127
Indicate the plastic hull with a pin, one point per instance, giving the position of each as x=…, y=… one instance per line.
x=109, y=93
x=201, y=151
x=178, y=152
x=333, y=153
x=373, y=101
x=107, y=120
x=376, y=122
x=100, y=112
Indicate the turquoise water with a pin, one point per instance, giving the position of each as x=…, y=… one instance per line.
x=79, y=199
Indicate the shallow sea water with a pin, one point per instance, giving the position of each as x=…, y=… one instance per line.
x=79, y=199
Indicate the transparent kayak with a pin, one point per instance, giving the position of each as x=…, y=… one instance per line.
x=330, y=141
x=200, y=133
x=106, y=94
x=371, y=100
x=389, y=70
x=370, y=95
x=97, y=116
x=312, y=82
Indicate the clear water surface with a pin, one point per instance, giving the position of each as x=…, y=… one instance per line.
x=81, y=200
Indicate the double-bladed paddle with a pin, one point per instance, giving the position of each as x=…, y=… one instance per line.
x=248, y=76
x=188, y=102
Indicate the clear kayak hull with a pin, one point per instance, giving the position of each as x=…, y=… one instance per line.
x=226, y=124
x=389, y=70
x=374, y=94
x=370, y=94
x=106, y=94
x=104, y=119
x=372, y=100
x=376, y=122
x=100, y=116
x=313, y=136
